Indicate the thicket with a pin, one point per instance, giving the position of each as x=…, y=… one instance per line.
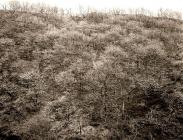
x=95, y=75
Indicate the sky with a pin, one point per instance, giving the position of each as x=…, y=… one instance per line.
x=152, y=5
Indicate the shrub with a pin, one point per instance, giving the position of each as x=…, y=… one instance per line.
x=95, y=17
x=39, y=129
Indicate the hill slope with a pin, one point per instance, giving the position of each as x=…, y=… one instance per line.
x=96, y=76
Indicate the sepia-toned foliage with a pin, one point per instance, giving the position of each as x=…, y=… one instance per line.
x=95, y=75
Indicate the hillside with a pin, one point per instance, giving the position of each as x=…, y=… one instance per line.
x=96, y=76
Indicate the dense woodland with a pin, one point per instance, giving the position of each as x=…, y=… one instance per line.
x=92, y=76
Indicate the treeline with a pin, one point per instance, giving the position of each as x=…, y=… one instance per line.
x=15, y=5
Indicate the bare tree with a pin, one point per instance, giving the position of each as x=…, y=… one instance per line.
x=25, y=7
x=4, y=6
x=14, y=5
